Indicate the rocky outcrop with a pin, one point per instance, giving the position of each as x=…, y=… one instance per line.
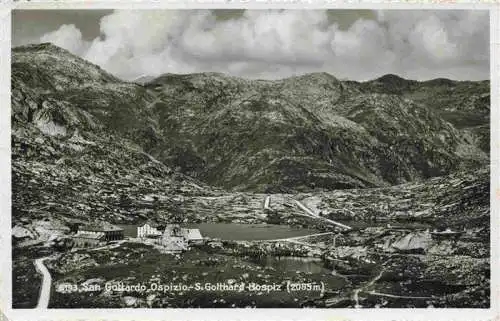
x=465, y=104
x=413, y=242
x=21, y=232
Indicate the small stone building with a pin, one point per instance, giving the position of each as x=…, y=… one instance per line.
x=111, y=232
x=86, y=239
x=447, y=234
x=97, y=234
x=172, y=239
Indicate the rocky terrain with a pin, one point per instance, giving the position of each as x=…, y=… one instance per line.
x=307, y=133
x=73, y=154
x=392, y=158
x=465, y=104
x=302, y=133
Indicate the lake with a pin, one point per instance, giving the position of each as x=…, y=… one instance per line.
x=307, y=265
x=249, y=232
x=236, y=231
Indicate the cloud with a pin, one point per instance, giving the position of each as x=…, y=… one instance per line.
x=280, y=43
x=287, y=37
x=443, y=41
x=68, y=37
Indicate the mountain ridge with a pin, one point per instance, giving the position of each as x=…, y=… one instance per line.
x=300, y=133
x=53, y=47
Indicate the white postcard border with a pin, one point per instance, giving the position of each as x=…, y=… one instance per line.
x=244, y=314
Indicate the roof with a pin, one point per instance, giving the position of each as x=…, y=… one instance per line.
x=100, y=228
x=85, y=235
x=447, y=233
x=151, y=225
x=192, y=234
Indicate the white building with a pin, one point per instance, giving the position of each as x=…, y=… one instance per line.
x=176, y=237
x=173, y=238
x=147, y=231
x=192, y=235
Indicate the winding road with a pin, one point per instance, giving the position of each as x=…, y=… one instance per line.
x=267, y=202
x=297, y=237
x=355, y=294
x=310, y=213
x=43, y=300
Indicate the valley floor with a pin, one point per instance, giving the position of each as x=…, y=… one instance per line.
x=344, y=248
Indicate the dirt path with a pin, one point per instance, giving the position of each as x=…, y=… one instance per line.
x=43, y=300
x=399, y=296
x=109, y=246
x=355, y=295
x=267, y=202
x=298, y=237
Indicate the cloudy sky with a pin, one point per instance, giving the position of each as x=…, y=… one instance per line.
x=269, y=44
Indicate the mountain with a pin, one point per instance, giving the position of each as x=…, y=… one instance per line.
x=465, y=104
x=393, y=159
x=74, y=154
x=304, y=133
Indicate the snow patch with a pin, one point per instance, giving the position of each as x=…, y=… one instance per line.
x=21, y=232
x=51, y=128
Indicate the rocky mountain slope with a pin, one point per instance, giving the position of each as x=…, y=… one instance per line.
x=73, y=149
x=297, y=134
x=465, y=104
x=305, y=133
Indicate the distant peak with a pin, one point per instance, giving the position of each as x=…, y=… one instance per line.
x=391, y=78
x=319, y=74
x=210, y=74
x=67, y=62
x=440, y=82
x=315, y=75
x=44, y=46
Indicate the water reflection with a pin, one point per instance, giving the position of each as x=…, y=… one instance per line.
x=293, y=263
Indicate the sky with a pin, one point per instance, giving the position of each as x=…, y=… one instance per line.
x=269, y=44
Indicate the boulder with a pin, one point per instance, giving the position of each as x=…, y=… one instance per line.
x=21, y=232
x=413, y=242
x=93, y=281
x=150, y=299
x=130, y=300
